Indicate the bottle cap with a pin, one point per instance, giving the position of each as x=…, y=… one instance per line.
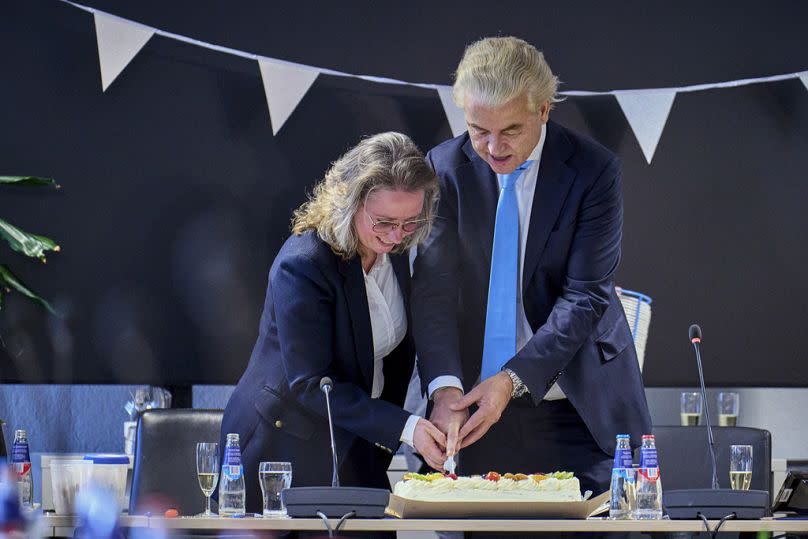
x=647, y=436
x=623, y=436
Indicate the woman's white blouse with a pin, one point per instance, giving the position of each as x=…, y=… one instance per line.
x=388, y=319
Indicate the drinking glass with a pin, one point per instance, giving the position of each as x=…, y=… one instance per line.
x=274, y=477
x=207, y=471
x=740, y=467
x=690, y=409
x=728, y=405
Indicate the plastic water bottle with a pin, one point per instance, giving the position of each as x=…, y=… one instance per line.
x=649, y=484
x=21, y=463
x=232, y=493
x=622, y=500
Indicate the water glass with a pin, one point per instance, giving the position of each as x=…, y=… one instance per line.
x=274, y=477
x=728, y=406
x=740, y=467
x=690, y=408
x=207, y=471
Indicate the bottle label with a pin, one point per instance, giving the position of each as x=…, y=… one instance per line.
x=648, y=458
x=232, y=456
x=21, y=469
x=19, y=453
x=623, y=458
x=232, y=471
x=650, y=474
x=232, y=462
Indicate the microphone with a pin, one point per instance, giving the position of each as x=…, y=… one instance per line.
x=694, y=333
x=326, y=386
x=714, y=502
x=334, y=501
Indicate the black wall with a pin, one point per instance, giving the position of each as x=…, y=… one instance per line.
x=176, y=195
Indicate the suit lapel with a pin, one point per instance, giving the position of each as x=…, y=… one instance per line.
x=401, y=267
x=357, y=299
x=479, y=183
x=554, y=181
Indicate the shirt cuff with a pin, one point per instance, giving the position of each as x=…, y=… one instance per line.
x=408, y=433
x=444, y=381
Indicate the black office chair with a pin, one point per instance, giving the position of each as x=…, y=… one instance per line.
x=164, y=474
x=3, y=451
x=684, y=455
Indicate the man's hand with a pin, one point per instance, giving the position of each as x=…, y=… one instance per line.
x=430, y=443
x=447, y=419
x=492, y=395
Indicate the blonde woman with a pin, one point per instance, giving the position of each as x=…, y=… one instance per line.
x=337, y=305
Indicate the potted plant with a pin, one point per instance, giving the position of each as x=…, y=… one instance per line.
x=31, y=245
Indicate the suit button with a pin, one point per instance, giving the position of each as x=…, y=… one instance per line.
x=278, y=424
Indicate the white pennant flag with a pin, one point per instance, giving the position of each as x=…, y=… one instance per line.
x=647, y=112
x=284, y=85
x=457, y=120
x=119, y=41
x=804, y=78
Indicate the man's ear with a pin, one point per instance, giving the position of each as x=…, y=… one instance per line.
x=544, y=111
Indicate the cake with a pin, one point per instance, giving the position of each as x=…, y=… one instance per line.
x=553, y=487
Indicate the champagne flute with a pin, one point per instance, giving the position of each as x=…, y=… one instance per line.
x=740, y=467
x=207, y=471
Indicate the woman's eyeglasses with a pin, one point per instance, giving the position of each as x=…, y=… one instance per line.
x=383, y=227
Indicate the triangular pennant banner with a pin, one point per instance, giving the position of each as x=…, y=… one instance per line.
x=647, y=112
x=119, y=41
x=284, y=86
x=804, y=79
x=455, y=115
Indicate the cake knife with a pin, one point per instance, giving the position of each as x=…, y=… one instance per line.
x=449, y=465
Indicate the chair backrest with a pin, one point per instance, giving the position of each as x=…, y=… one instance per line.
x=3, y=452
x=684, y=455
x=164, y=474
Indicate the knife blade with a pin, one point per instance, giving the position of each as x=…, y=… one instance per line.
x=449, y=465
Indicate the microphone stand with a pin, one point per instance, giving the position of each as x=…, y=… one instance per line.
x=696, y=341
x=715, y=502
x=334, y=501
x=326, y=388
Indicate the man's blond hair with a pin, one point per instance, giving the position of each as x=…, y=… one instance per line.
x=497, y=69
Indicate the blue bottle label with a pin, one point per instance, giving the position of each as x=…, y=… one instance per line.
x=232, y=468
x=19, y=452
x=232, y=456
x=648, y=458
x=623, y=458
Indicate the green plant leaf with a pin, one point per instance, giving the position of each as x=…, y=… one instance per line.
x=10, y=281
x=28, y=180
x=26, y=243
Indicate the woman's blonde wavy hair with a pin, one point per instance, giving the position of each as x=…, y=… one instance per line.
x=384, y=161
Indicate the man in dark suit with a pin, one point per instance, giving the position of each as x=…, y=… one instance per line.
x=564, y=380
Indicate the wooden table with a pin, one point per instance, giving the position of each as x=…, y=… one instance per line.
x=394, y=524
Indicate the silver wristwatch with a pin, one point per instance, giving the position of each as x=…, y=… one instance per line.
x=519, y=387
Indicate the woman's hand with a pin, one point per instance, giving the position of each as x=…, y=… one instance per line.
x=430, y=443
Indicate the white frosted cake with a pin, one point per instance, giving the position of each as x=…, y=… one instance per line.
x=554, y=487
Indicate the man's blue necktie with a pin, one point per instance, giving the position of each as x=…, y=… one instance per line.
x=500, y=321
